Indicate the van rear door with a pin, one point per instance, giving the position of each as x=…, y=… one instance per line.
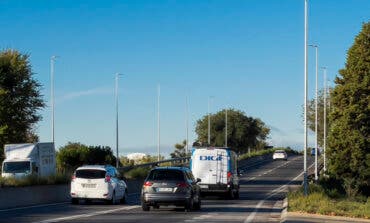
x=210, y=165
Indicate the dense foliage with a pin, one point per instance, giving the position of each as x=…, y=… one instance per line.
x=180, y=150
x=349, y=138
x=243, y=132
x=20, y=99
x=73, y=155
x=320, y=116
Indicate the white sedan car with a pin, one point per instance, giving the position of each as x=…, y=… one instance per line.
x=98, y=182
x=280, y=154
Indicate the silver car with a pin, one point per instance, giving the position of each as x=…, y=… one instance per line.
x=170, y=186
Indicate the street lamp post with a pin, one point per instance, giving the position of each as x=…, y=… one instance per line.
x=209, y=120
x=316, y=112
x=52, y=61
x=187, y=126
x=305, y=99
x=158, y=123
x=225, y=127
x=116, y=96
x=324, y=68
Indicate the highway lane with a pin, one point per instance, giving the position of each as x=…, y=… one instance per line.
x=263, y=189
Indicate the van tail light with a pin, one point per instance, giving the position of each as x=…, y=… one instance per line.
x=229, y=175
x=182, y=184
x=107, y=178
x=148, y=184
x=73, y=177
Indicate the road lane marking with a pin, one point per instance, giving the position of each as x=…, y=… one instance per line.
x=284, y=164
x=49, y=205
x=33, y=206
x=86, y=215
x=272, y=193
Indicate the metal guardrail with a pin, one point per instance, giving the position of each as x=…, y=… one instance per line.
x=175, y=161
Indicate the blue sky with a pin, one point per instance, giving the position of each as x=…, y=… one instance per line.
x=248, y=54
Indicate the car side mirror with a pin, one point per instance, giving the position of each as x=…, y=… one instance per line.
x=240, y=172
x=198, y=180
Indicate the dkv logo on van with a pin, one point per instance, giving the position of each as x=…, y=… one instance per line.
x=210, y=158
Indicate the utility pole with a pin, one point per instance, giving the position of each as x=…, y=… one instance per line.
x=159, y=123
x=225, y=127
x=187, y=126
x=324, y=68
x=116, y=94
x=305, y=185
x=52, y=102
x=316, y=112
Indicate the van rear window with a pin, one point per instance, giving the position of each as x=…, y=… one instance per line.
x=166, y=175
x=90, y=174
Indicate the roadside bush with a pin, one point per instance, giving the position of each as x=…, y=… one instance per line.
x=34, y=180
x=318, y=201
x=137, y=173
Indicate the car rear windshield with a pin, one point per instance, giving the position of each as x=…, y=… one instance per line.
x=166, y=175
x=90, y=174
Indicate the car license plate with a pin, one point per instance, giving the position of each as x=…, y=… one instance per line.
x=89, y=185
x=204, y=186
x=164, y=189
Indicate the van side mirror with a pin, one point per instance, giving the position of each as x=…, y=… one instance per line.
x=198, y=180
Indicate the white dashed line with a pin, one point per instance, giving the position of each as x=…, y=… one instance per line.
x=250, y=218
x=34, y=206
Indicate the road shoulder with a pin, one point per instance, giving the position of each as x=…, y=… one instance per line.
x=306, y=217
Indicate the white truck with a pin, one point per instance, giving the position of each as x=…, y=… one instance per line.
x=218, y=170
x=29, y=159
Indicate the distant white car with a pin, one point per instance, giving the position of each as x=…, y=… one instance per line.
x=280, y=154
x=98, y=182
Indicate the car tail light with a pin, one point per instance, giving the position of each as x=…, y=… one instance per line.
x=148, y=184
x=182, y=184
x=229, y=176
x=107, y=178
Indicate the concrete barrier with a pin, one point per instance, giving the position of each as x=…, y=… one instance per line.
x=11, y=197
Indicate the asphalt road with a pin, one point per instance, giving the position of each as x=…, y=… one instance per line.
x=263, y=188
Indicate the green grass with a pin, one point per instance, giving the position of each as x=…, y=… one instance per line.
x=34, y=180
x=328, y=202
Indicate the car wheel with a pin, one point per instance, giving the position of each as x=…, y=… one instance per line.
x=197, y=206
x=124, y=198
x=74, y=201
x=145, y=207
x=189, y=204
x=113, y=200
x=237, y=195
x=231, y=194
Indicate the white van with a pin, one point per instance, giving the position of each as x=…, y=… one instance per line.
x=217, y=168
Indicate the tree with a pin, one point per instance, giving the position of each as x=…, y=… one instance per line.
x=349, y=139
x=320, y=116
x=179, y=150
x=243, y=132
x=20, y=99
x=74, y=155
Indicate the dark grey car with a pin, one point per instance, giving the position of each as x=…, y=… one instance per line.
x=170, y=186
